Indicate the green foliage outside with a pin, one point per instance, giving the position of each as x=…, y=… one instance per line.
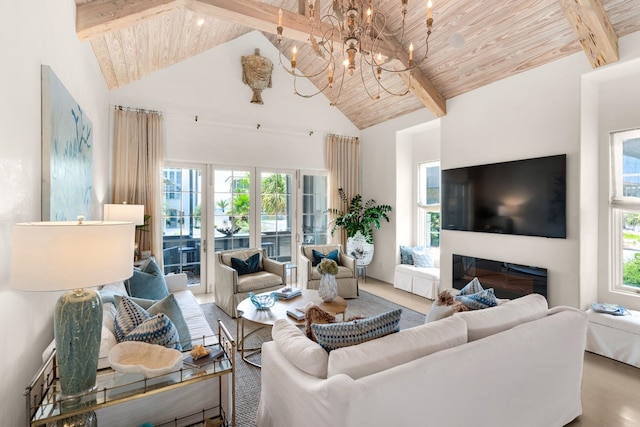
x=434, y=229
x=631, y=271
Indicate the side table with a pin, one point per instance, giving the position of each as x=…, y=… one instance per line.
x=291, y=268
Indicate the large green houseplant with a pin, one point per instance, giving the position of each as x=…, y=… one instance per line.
x=356, y=216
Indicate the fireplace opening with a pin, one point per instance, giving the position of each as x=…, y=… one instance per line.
x=507, y=279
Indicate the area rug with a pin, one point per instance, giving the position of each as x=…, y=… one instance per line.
x=248, y=377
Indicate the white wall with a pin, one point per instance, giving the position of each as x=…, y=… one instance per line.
x=380, y=180
x=210, y=86
x=32, y=33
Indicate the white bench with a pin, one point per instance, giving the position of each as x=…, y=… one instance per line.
x=615, y=337
x=423, y=281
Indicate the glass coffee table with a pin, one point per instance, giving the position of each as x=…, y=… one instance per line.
x=267, y=318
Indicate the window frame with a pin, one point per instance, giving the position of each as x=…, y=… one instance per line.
x=619, y=204
x=424, y=208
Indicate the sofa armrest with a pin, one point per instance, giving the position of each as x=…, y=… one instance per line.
x=176, y=282
x=305, y=266
x=348, y=262
x=275, y=267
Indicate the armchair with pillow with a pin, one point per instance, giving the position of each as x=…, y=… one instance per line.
x=240, y=271
x=310, y=257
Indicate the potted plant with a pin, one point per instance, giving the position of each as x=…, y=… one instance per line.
x=359, y=220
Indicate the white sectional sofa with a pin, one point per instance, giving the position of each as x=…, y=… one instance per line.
x=517, y=364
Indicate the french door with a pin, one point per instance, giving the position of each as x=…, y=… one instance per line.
x=184, y=225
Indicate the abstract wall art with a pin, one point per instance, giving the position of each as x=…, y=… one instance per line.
x=67, y=153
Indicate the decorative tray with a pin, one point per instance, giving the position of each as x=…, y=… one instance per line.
x=149, y=360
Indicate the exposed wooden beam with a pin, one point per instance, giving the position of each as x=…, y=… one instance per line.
x=261, y=16
x=593, y=27
x=101, y=17
x=419, y=84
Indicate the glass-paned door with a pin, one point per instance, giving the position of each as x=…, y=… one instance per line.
x=231, y=208
x=314, y=209
x=183, y=223
x=277, y=215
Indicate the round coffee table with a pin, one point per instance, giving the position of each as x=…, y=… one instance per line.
x=267, y=318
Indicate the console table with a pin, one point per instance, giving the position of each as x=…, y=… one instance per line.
x=118, y=389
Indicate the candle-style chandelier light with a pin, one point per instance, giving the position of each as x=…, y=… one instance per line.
x=353, y=27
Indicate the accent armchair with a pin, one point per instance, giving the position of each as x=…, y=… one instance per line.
x=346, y=278
x=232, y=285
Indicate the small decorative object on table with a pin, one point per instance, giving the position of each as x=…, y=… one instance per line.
x=615, y=309
x=288, y=293
x=328, y=289
x=263, y=302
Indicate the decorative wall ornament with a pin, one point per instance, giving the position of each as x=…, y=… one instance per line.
x=256, y=73
x=67, y=153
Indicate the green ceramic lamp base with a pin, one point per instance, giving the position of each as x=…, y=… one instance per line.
x=77, y=329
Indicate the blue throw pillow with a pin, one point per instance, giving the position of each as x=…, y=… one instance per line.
x=251, y=265
x=422, y=258
x=406, y=255
x=478, y=301
x=319, y=256
x=473, y=287
x=147, y=283
x=336, y=335
x=158, y=330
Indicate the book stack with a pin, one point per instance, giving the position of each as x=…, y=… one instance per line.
x=288, y=293
x=296, y=313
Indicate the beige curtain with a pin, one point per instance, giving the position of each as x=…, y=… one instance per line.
x=343, y=163
x=137, y=171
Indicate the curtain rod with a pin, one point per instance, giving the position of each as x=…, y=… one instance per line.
x=138, y=110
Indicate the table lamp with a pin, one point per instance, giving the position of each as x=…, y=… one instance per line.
x=124, y=212
x=73, y=255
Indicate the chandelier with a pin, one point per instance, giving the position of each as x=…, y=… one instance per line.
x=351, y=27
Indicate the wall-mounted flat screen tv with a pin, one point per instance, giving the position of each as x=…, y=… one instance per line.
x=523, y=197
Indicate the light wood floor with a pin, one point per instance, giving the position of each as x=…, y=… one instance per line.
x=610, y=389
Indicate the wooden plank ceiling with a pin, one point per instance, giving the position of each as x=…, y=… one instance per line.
x=473, y=42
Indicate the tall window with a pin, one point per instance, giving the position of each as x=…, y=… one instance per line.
x=429, y=204
x=625, y=210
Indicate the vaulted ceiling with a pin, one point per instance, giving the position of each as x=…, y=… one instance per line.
x=473, y=42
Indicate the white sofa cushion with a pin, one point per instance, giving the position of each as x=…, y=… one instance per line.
x=489, y=321
x=302, y=352
x=396, y=349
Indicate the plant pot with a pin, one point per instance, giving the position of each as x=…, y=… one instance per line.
x=360, y=249
x=328, y=289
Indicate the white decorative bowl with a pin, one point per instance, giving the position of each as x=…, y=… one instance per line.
x=149, y=360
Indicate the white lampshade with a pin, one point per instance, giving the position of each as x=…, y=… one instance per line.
x=124, y=212
x=55, y=256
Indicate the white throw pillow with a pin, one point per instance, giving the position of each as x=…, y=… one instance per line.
x=303, y=353
x=438, y=312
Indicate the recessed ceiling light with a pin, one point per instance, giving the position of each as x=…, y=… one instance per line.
x=200, y=22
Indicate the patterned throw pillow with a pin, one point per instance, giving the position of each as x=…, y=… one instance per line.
x=159, y=330
x=128, y=316
x=251, y=265
x=473, y=287
x=319, y=256
x=129, y=321
x=479, y=300
x=336, y=335
x=148, y=282
x=170, y=307
x=422, y=258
